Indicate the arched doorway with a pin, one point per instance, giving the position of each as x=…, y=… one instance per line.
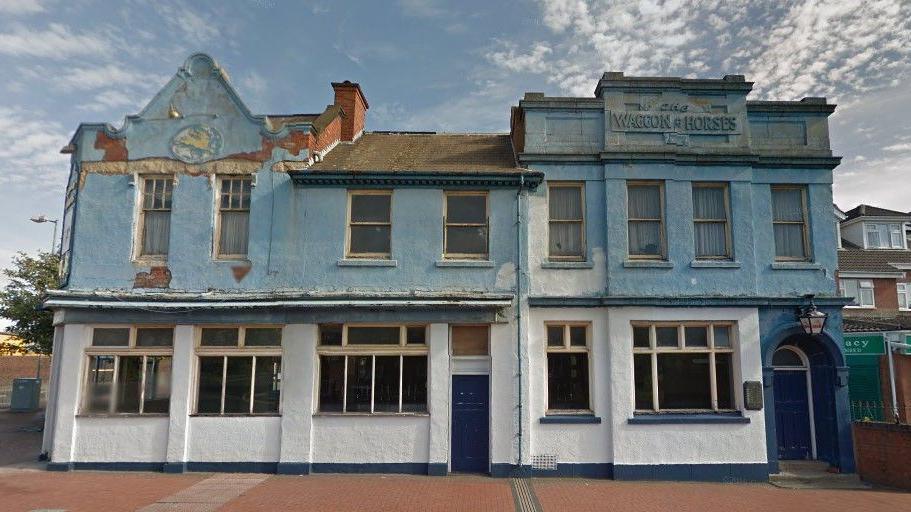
x=793, y=387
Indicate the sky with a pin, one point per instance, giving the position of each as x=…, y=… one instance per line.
x=440, y=65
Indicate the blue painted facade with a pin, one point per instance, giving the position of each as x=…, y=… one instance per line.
x=297, y=243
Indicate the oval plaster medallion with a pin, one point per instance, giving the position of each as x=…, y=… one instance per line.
x=197, y=143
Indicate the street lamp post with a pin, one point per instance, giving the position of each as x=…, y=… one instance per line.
x=41, y=219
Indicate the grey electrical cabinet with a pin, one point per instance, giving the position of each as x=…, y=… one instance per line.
x=26, y=394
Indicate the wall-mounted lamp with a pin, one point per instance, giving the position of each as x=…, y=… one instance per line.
x=811, y=319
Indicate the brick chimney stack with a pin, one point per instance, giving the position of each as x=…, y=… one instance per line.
x=350, y=98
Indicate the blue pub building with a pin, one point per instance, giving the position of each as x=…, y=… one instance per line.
x=613, y=289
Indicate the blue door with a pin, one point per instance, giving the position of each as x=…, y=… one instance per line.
x=470, y=423
x=792, y=415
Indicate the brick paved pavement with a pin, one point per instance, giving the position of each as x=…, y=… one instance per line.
x=25, y=491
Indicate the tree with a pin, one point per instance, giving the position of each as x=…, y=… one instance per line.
x=22, y=298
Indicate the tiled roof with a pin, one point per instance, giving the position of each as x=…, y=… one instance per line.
x=379, y=151
x=871, y=260
x=866, y=210
x=874, y=324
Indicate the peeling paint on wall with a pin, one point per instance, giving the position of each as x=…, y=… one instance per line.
x=114, y=149
x=156, y=277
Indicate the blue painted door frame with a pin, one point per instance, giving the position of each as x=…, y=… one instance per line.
x=470, y=447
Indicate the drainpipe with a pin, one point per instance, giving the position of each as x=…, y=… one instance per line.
x=519, y=304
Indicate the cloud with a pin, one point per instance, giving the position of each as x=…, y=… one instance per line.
x=55, y=42
x=21, y=7
x=194, y=27
x=423, y=8
x=91, y=77
x=30, y=149
x=901, y=146
x=534, y=61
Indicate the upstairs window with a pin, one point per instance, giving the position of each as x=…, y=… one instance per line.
x=904, y=295
x=155, y=216
x=129, y=371
x=789, y=222
x=234, y=216
x=884, y=235
x=370, y=224
x=861, y=290
x=466, y=226
x=645, y=211
x=710, y=221
x=566, y=221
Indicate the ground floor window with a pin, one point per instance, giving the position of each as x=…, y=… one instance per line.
x=567, y=367
x=239, y=370
x=683, y=366
x=128, y=371
x=372, y=369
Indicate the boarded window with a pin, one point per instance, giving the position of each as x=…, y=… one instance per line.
x=470, y=340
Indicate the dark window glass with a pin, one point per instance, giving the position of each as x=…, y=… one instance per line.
x=330, y=334
x=683, y=381
x=416, y=335
x=785, y=357
x=158, y=385
x=567, y=381
x=370, y=239
x=666, y=336
x=237, y=384
x=263, y=337
x=267, y=384
x=129, y=382
x=722, y=335
x=219, y=337
x=723, y=376
x=209, y=394
x=101, y=378
x=370, y=207
x=414, y=384
x=554, y=335
x=331, y=383
x=359, y=372
x=577, y=336
x=155, y=337
x=640, y=337
x=111, y=337
x=642, y=370
x=373, y=335
x=386, y=384
x=466, y=209
x=696, y=336
x=470, y=240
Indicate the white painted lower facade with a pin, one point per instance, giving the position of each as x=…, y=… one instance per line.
x=301, y=438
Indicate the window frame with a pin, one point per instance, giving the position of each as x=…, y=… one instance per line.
x=728, y=238
x=117, y=352
x=402, y=349
x=239, y=350
x=580, y=185
x=349, y=223
x=805, y=222
x=903, y=289
x=858, y=299
x=216, y=236
x=567, y=348
x=885, y=234
x=653, y=350
x=446, y=225
x=662, y=228
x=139, y=235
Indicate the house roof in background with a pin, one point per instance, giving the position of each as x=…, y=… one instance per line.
x=864, y=324
x=853, y=259
x=865, y=210
x=417, y=151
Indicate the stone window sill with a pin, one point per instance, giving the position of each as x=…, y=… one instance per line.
x=464, y=263
x=796, y=265
x=352, y=262
x=371, y=415
x=687, y=418
x=715, y=264
x=124, y=415
x=567, y=264
x=570, y=419
x=648, y=264
x=236, y=415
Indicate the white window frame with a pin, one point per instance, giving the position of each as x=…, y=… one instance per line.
x=728, y=243
x=580, y=186
x=216, y=236
x=447, y=224
x=130, y=350
x=567, y=348
x=804, y=222
x=349, y=223
x=904, y=290
x=239, y=350
x=402, y=349
x=141, y=182
x=886, y=233
x=862, y=284
x=662, y=228
x=653, y=350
